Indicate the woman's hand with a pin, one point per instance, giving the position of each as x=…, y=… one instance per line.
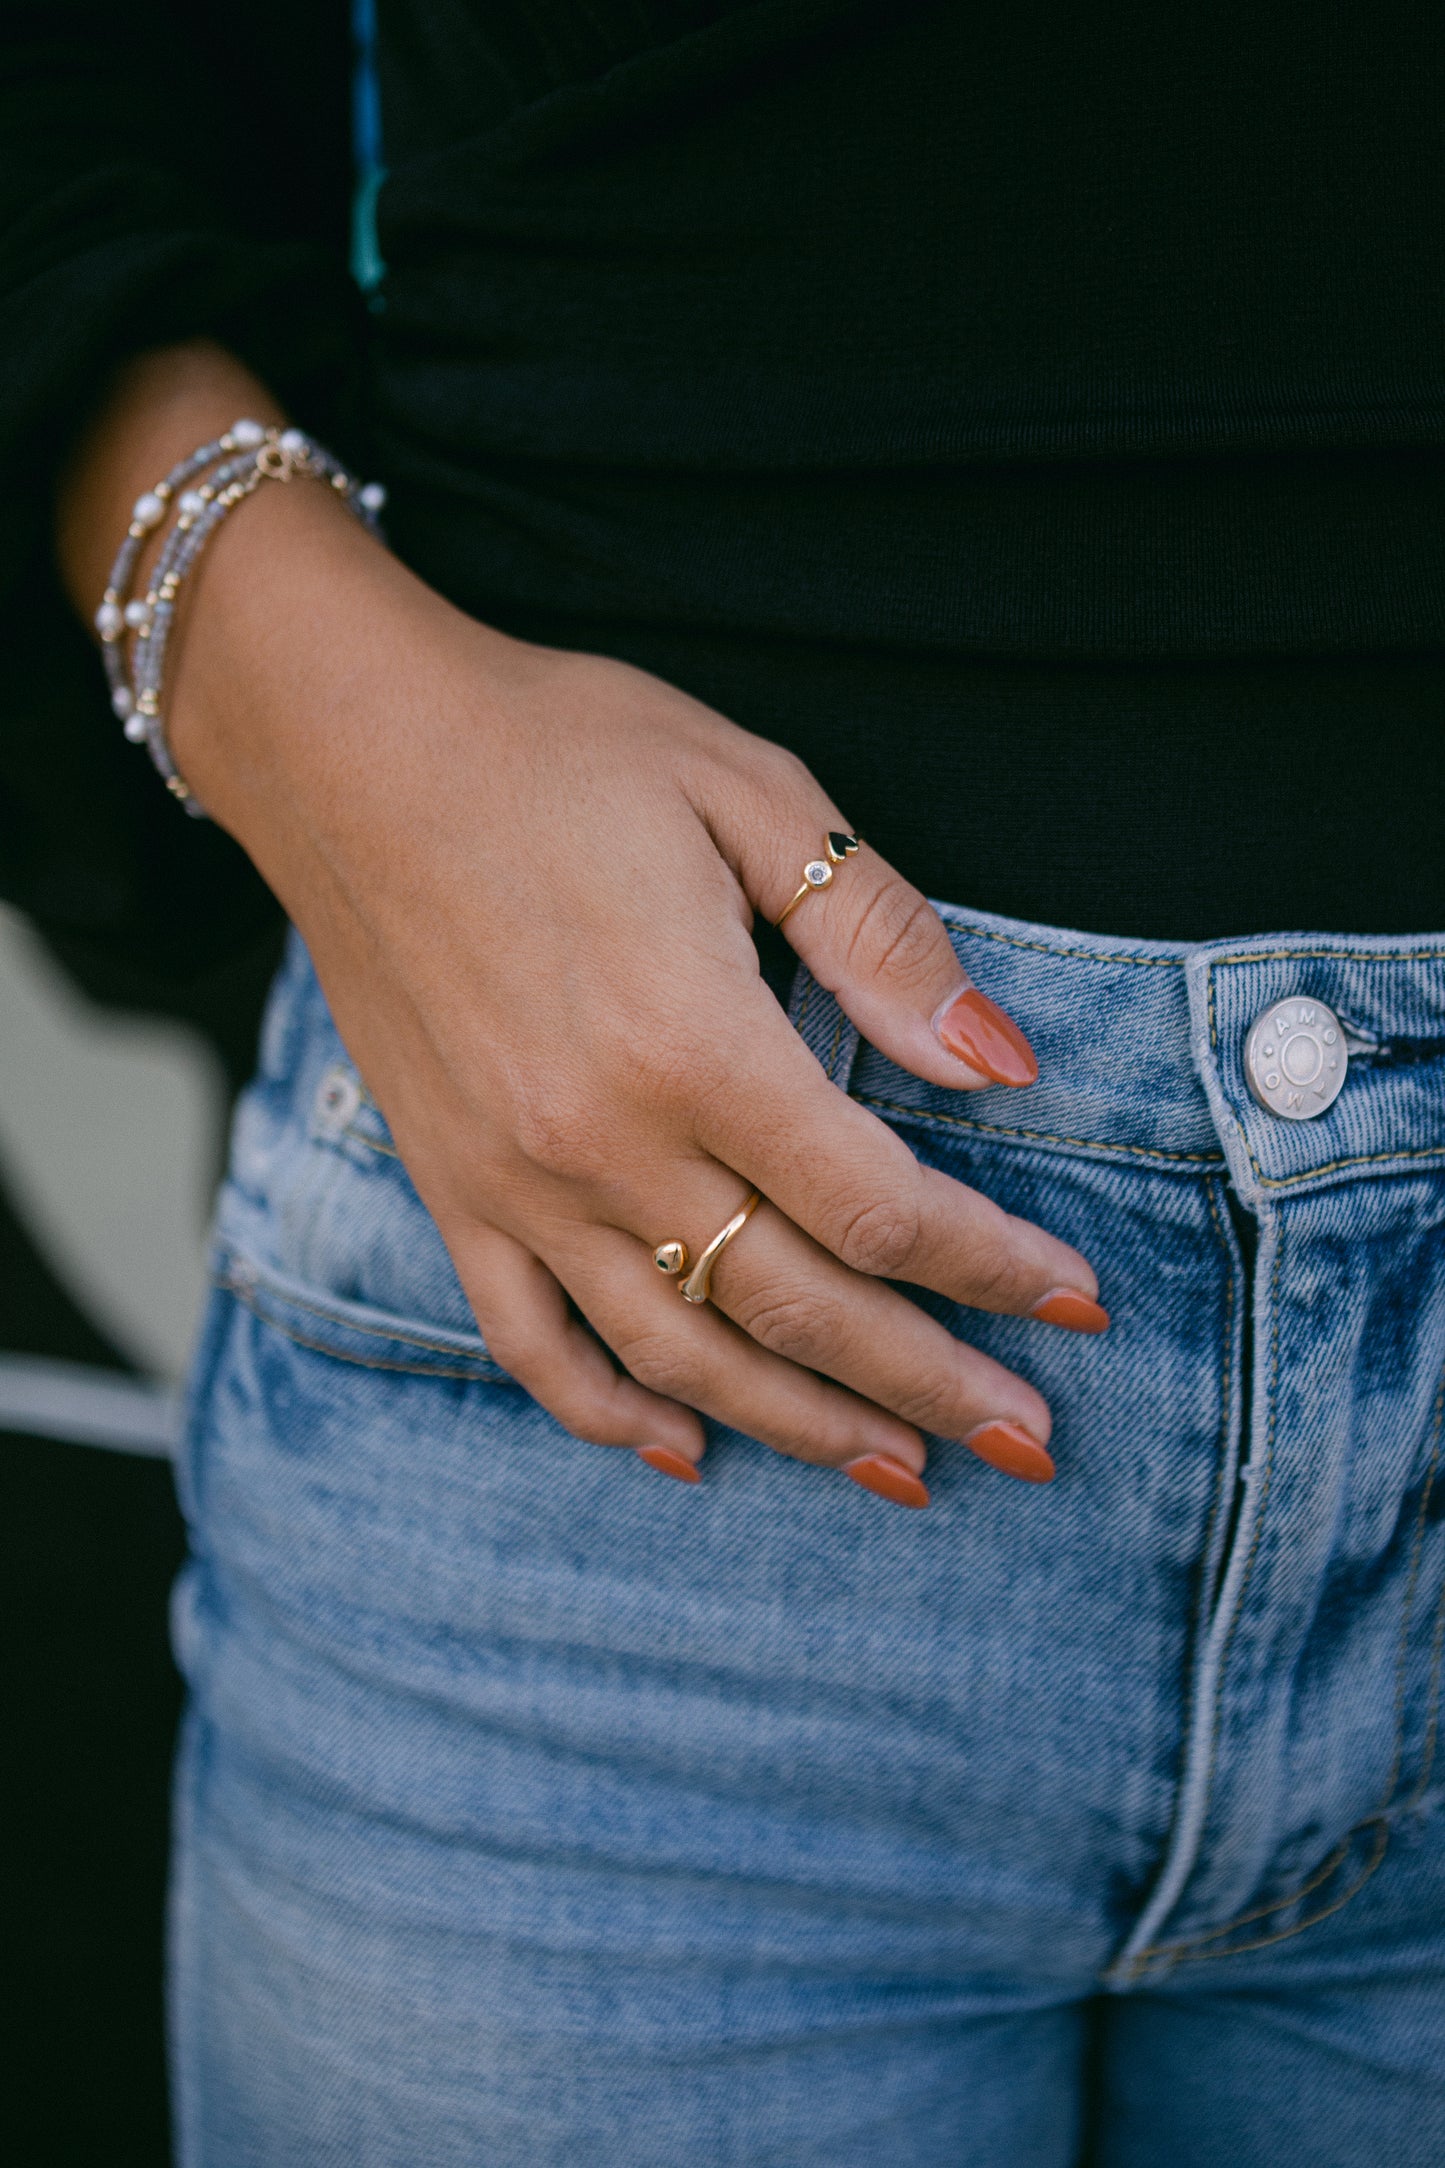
x=526, y=879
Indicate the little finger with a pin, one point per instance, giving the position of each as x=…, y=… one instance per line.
x=530, y=1331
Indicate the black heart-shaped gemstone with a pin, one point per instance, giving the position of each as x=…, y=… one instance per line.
x=842, y=846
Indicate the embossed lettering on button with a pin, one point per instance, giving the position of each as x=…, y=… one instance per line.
x=1295, y=1058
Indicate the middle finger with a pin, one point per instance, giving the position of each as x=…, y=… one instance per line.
x=797, y=1299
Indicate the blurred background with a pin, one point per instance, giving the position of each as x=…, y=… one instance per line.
x=112, y=1116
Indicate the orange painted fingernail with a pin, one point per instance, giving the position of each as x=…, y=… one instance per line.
x=1010, y=1447
x=888, y=1478
x=978, y=1031
x=1075, y=1312
x=666, y=1462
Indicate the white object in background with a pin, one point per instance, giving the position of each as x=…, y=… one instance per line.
x=44, y=1399
x=109, y=1133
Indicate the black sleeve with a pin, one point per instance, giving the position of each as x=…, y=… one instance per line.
x=173, y=168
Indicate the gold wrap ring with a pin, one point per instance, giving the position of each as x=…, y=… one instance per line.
x=818, y=872
x=672, y=1258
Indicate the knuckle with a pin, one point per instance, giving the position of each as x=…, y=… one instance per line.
x=997, y=1278
x=585, y=1417
x=662, y=1363
x=786, y=770
x=796, y=1322
x=560, y=1132
x=931, y=1402
x=880, y=1237
x=520, y=1355
x=897, y=934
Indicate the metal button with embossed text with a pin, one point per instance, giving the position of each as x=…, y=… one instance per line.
x=1295, y=1058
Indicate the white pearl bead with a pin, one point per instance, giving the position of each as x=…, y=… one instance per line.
x=292, y=441
x=191, y=503
x=135, y=729
x=108, y=620
x=148, y=511
x=136, y=615
x=372, y=495
x=122, y=700
x=248, y=434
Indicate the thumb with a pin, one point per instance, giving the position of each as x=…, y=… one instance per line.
x=877, y=943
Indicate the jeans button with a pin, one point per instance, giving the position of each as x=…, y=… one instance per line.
x=1295, y=1058
x=338, y=1097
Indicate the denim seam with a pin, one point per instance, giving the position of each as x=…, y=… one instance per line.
x=1344, y=955
x=1333, y=1166
x=1416, y=1553
x=1196, y=1956
x=1226, y=1388
x=1432, y=1725
x=1266, y=1480
x=244, y=1288
x=831, y=1065
x=362, y=1362
x=373, y=1144
x=1042, y=1136
x=1048, y=948
x=1437, y=1639
x=1209, y=1586
x=1191, y=1950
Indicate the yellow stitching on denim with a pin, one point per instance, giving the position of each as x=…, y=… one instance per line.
x=373, y=1144
x=1190, y=1943
x=1187, y=1949
x=1042, y=1136
x=802, y=1014
x=1047, y=948
x=333, y=1317
x=1266, y=1479
x=361, y=1362
x=1265, y=1942
x=832, y=1061
x=1332, y=1166
x=1342, y=955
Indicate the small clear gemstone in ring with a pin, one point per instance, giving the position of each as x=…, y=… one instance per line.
x=818, y=873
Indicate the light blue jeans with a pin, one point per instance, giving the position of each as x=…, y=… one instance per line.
x=537, y=1812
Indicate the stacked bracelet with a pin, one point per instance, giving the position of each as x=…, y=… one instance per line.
x=244, y=457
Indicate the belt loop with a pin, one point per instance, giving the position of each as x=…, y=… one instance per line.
x=819, y=1021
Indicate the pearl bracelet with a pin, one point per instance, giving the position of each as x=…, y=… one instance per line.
x=245, y=456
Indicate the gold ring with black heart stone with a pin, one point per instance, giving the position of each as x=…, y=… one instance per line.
x=818, y=872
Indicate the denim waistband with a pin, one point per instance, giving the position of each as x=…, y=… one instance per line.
x=1141, y=1050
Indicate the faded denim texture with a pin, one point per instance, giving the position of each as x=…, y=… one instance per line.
x=537, y=1811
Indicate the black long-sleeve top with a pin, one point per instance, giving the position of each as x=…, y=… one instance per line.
x=1035, y=417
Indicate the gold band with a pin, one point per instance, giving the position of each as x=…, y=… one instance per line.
x=818, y=872
x=672, y=1258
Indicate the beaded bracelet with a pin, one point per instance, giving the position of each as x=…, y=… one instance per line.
x=265, y=455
